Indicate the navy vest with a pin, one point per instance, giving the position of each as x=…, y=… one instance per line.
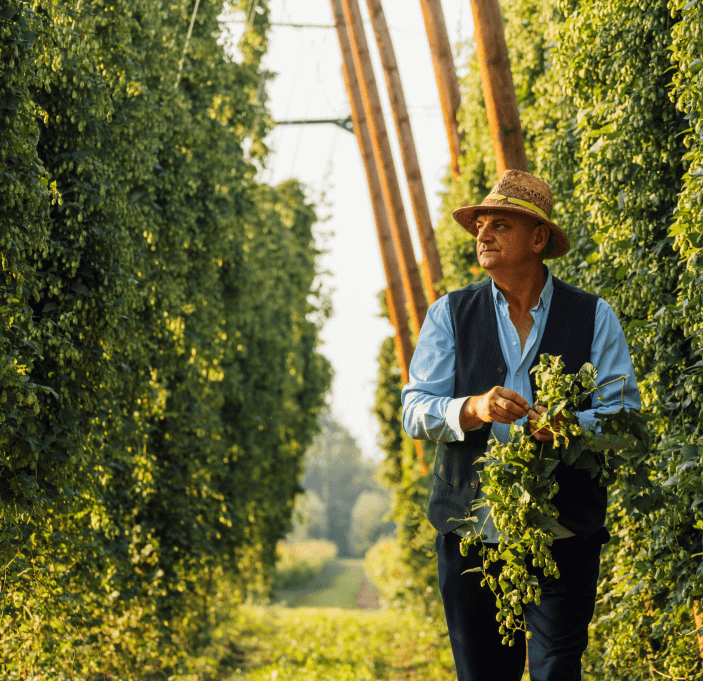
x=479, y=367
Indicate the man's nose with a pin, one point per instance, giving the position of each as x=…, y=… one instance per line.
x=483, y=234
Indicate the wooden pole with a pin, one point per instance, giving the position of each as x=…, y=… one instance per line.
x=390, y=187
x=498, y=88
x=431, y=266
x=400, y=336
x=395, y=297
x=445, y=75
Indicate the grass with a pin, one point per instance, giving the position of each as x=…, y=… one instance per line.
x=318, y=633
x=312, y=644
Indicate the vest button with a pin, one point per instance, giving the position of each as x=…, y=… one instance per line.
x=500, y=370
x=473, y=485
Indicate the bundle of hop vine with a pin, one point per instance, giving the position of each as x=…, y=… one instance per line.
x=518, y=481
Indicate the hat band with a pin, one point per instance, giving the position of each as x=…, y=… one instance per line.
x=519, y=202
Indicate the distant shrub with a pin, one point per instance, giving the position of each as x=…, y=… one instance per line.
x=297, y=564
x=385, y=568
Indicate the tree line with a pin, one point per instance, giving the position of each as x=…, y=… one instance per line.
x=343, y=500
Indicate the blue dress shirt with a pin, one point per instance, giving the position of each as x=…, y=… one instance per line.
x=430, y=411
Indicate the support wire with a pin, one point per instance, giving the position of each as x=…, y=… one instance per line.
x=185, y=46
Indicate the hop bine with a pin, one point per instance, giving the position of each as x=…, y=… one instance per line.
x=519, y=485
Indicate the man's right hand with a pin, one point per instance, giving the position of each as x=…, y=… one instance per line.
x=498, y=405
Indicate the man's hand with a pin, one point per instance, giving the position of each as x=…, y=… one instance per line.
x=498, y=405
x=544, y=435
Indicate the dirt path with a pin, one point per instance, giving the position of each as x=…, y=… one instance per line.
x=367, y=598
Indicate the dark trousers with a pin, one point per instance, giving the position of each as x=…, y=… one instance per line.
x=559, y=625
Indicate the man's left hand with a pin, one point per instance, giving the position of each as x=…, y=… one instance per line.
x=542, y=434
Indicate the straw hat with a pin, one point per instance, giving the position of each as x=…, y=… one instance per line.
x=523, y=193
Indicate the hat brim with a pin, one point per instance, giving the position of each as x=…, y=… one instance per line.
x=557, y=246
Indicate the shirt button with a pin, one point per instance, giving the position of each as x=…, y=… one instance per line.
x=514, y=342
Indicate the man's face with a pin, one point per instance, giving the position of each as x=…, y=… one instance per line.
x=506, y=240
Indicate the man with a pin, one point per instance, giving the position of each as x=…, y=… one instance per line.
x=469, y=380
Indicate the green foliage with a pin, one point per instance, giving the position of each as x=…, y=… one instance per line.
x=388, y=412
x=384, y=565
x=160, y=382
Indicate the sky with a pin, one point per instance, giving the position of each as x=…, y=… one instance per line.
x=326, y=159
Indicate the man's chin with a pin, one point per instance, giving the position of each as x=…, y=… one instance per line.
x=488, y=263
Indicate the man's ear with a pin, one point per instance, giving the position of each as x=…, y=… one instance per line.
x=540, y=237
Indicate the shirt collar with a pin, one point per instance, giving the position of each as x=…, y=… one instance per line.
x=543, y=297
